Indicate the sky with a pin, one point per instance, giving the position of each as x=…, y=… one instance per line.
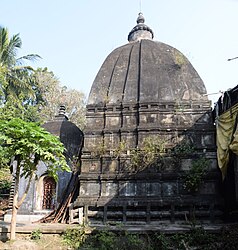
x=74, y=37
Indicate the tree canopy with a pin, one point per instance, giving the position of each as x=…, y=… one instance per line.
x=33, y=95
x=15, y=80
x=27, y=144
x=50, y=94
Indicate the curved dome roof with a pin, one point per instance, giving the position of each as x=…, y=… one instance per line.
x=146, y=71
x=70, y=135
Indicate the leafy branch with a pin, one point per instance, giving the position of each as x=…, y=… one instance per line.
x=195, y=176
x=152, y=151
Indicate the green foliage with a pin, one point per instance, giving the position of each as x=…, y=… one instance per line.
x=120, y=150
x=100, y=149
x=75, y=237
x=195, y=175
x=162, y=241
x=196, y=238
x=30, y=143
x=36, y=235
x=151, y=151
x=49, y=95
x=184, y=148
x=5, y=186
x=16, y=90
x=133, y=241
x=105, y=240
x=33, y=95
x=5, y=175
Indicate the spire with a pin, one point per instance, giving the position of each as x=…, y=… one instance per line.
x=62, y=110
x=61, y=115
x=140, y=31
x=140, y=18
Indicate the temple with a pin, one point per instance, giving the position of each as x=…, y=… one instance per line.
x=148, y=154
x=149, y=125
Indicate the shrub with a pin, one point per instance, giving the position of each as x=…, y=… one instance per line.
x=36, y=234
x=75, y=237
x=195, y=175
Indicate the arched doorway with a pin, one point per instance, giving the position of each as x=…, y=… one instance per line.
x=49, y=191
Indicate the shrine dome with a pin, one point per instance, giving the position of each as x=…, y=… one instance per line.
x=145, y=71
x=70, y=135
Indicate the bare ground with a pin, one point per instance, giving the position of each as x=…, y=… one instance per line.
x=23, y=242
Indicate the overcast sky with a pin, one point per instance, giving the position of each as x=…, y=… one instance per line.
x=74, y=37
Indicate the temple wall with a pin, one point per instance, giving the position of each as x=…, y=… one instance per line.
x=109, y=181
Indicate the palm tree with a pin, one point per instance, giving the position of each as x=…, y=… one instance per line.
x=15, y=84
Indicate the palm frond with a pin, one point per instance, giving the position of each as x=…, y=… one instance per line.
x=20, y=67
x=16, y=41
x=3, y=37
x=30, y=57
x=8, y=47
x=3, y=43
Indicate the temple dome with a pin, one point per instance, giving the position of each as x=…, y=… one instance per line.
x=70, y=135
x=145, y=70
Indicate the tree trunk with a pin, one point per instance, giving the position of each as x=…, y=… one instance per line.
x=13, y=219
x=14, y=206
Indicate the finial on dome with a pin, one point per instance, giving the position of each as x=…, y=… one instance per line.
x=140, y=31
x=62, y=114
x=62, y=110
x=140, y=18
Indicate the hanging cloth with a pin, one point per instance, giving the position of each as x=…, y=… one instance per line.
x=227, y=137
